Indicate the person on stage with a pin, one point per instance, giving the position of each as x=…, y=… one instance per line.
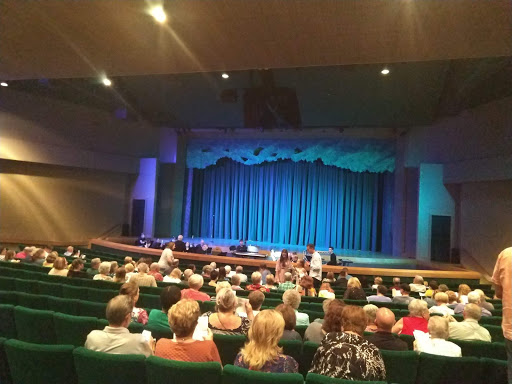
x=141, y=241
x=333, y=260
x=179, y=245
x=241, y=247
x=283, y=265
x=315, y=270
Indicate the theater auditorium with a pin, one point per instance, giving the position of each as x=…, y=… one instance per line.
x=263, y=191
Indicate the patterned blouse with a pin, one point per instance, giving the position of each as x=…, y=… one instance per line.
x=241, y=330
x=282, y=364
x=348, y=356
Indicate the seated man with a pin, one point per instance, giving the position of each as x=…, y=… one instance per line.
x=239, y=271
x=95, y=264
x=287, y=283
x=380, y=296
x=332, y=256
x=115, y=338
x=383, y=338
x=473, y=298
x=404, y=297
x=256, y=283
x=469, y=329
x=69, y=251
x=436, y=343
x=195, y=282
x=235, y=283
x=179, y=245
x=342, y=279
x=241, y=247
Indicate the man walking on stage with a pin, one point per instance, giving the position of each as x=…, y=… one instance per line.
x=315, y=269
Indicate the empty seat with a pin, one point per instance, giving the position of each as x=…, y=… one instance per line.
x=72, y=292
x=73, y=330
x=68, y=306
x=491, y=320
x=51, y=289
x=163, y=371
x=9, y=297
x=308, y=352
x=6, y=284
x=100, y=295
x=27, y=286
x=237, y=375
x=401, y=366
x=38, y=363
x=228, y=346
x=89, y=308
x=5, y=375
x=494, y=371
x=292, y=348
x=98, y=367
x=32, y=301
x=149, y=301
x=434, y=369
x=496, y=332
x=35, y=326
x=7, y=324
x=313, y=378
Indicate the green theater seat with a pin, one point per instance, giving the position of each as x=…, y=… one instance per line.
x=481, y=349
x=434, y=369
x=32, y=301
x=89, y=308
x=5, y=375
x=491, y=320
x=409, y=340
x=98, y=367
x=38, y=363
x=6, y=283
x=73, y=330
x=494, y=371
x=35, y=326
x=9, y=297
x=313, y=378
x=401, y=366
x=308, y=352
x=149, y=301
x=236, y=375
x=496, y=332
x=7, y=324
x=100, y=295
x=72, y=292
x=27, y=286
x=50, y=289
x=163, y=371
x=135, y=327
x=159, y=332
x=302, y=328
x=292, y=348
x=67, y=306
x=229, y=346
x=206, y=306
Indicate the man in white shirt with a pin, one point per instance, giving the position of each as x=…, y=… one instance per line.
x=469, y=329
x=166, y=258
x=239, y=272
x=315, y=267
x=436, y=343
x=115, y=338
x=229, y=272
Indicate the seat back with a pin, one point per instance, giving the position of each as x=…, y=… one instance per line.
x=29, y=300
x=7, y=324
x=494, y=371
x=292, y=348
x=89, y=308
x=401, y=366
x=229, y=346
x=308, y=352
x=163, y=371
x=5, y=375
x=68, y=306
x=434, y=369
x=496, y=332
x=237, y=375
x=38, y=363
x=98, y=367
x=313, y=378
x=159, y=332
x=34, y=326
x=73, y=330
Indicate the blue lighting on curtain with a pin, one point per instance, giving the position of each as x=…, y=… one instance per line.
x=296, y=203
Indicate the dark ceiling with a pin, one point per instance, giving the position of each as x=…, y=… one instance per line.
x=412, y=94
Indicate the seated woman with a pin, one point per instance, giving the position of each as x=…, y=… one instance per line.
x=261, y=352
x=354, y=290
x=168, y=297
x=436, y=343
x=289, y=322
x=329, y=278
x=225, y=321
x=131, y=289
x=417, y=319
x=50, y=259
x=77, y=269
x=59, y=267
x=173, y=277
x=120, y=276
x=441, y=306
x=306, y=286
x=270, y=282
x=346, y=355
x=114, y=265
x=37, y=257
x=300, y=269
x=103, y=272
x=326, y=291
x=293, y=299
x=183, y=318
x=464, y=289
x=214, y=276
x=330, y=323
x=371, y=314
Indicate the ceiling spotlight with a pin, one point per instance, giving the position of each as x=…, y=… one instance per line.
x=158, y=13
x=106, y=81
x=385, y=71
x=225, y=76
x=4, y=84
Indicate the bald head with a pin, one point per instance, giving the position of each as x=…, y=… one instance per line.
x=385, y=319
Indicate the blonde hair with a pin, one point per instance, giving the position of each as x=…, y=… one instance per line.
x=353, y=282
x=222, y=284
x=270, y=279
x=292, y=298
x=104, y=268
x=226, y=300
x=464, y=290
x=183, y=317
x=176, y=273
x=441, y=297
x=129, y=268
x=264, y=334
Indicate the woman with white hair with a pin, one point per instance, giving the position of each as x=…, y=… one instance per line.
x=435, y=341
x=225, y=321
x=418, y=285
x=417, y=319
x=371, y=315
x=103, y=272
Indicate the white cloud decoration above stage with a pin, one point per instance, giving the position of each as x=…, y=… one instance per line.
x=356, y=155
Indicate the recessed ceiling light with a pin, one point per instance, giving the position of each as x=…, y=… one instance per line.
x=4, y=84
x=158, y=13
x=106, y=81
x=225, y=76
x=385, y=71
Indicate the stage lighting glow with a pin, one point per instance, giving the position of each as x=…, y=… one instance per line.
x=158, y=13
x=106, y=81
x=4, y=84
x=385, y=71
x=225, y=76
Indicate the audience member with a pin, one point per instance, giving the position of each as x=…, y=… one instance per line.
x=256, y=299
x=186, y=275
x=376, y=282
x=143, y=279
x=354, y=290
x=131, y=289
x=241, y=247
x=283, y=265
x=329, y=278
x=10, y=256
x=270, y=284
x=462, y=294
x=443, y=288
x=469, y=329
x=195, y=282
x=371, y=314
x=239, y=272
x=192, y=267
x=403, y=297
x=115, y=338
x=179, y=245
x=473, y=297
x=120, y=276
x=76, y=269
x=214, y=277
x=154, y=270
x=287, y=283
x=130, y=271
x=380, y=297
x=256, y=283
x=441, y=306
x=342, y=279
x=103, y=272
x=235, y=283
x=261, y=352
x=483, y=301
x=173, y=277
x=395, y=288
x=229, y=272
x=314, y=330
x=264, y=273
x=289, y=322
x=383, y=338
x=69, y=251
x=25, y=254
x=292, y=298
x=166, y=258
x=346, y=355
x=433, y=286
x=50, y=259
x=326, y=291
x=225, y=321
x=222, y=274
x=207, y=269
x=129, y=260
x=306, y=286
x=417, y=319
x=168, y=297
x=59, y=267
x=418, y=285
x=37, y=257
x=435, y=341
x=93, y=269
x=300, y=269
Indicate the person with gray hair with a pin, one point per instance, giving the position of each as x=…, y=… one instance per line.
x=287, y=284
x=226, y=321
x=418, y=285
x=179, y=245
x=417, y=319
x=229, y=272
x=103, y=272
x=434, y=342
x=143, y=279
x=469, y=329
x=293, y=299
x=195, y=282
x=371, y=314
x=473, y=298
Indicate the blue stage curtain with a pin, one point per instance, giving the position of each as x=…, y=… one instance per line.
x=294, y=203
